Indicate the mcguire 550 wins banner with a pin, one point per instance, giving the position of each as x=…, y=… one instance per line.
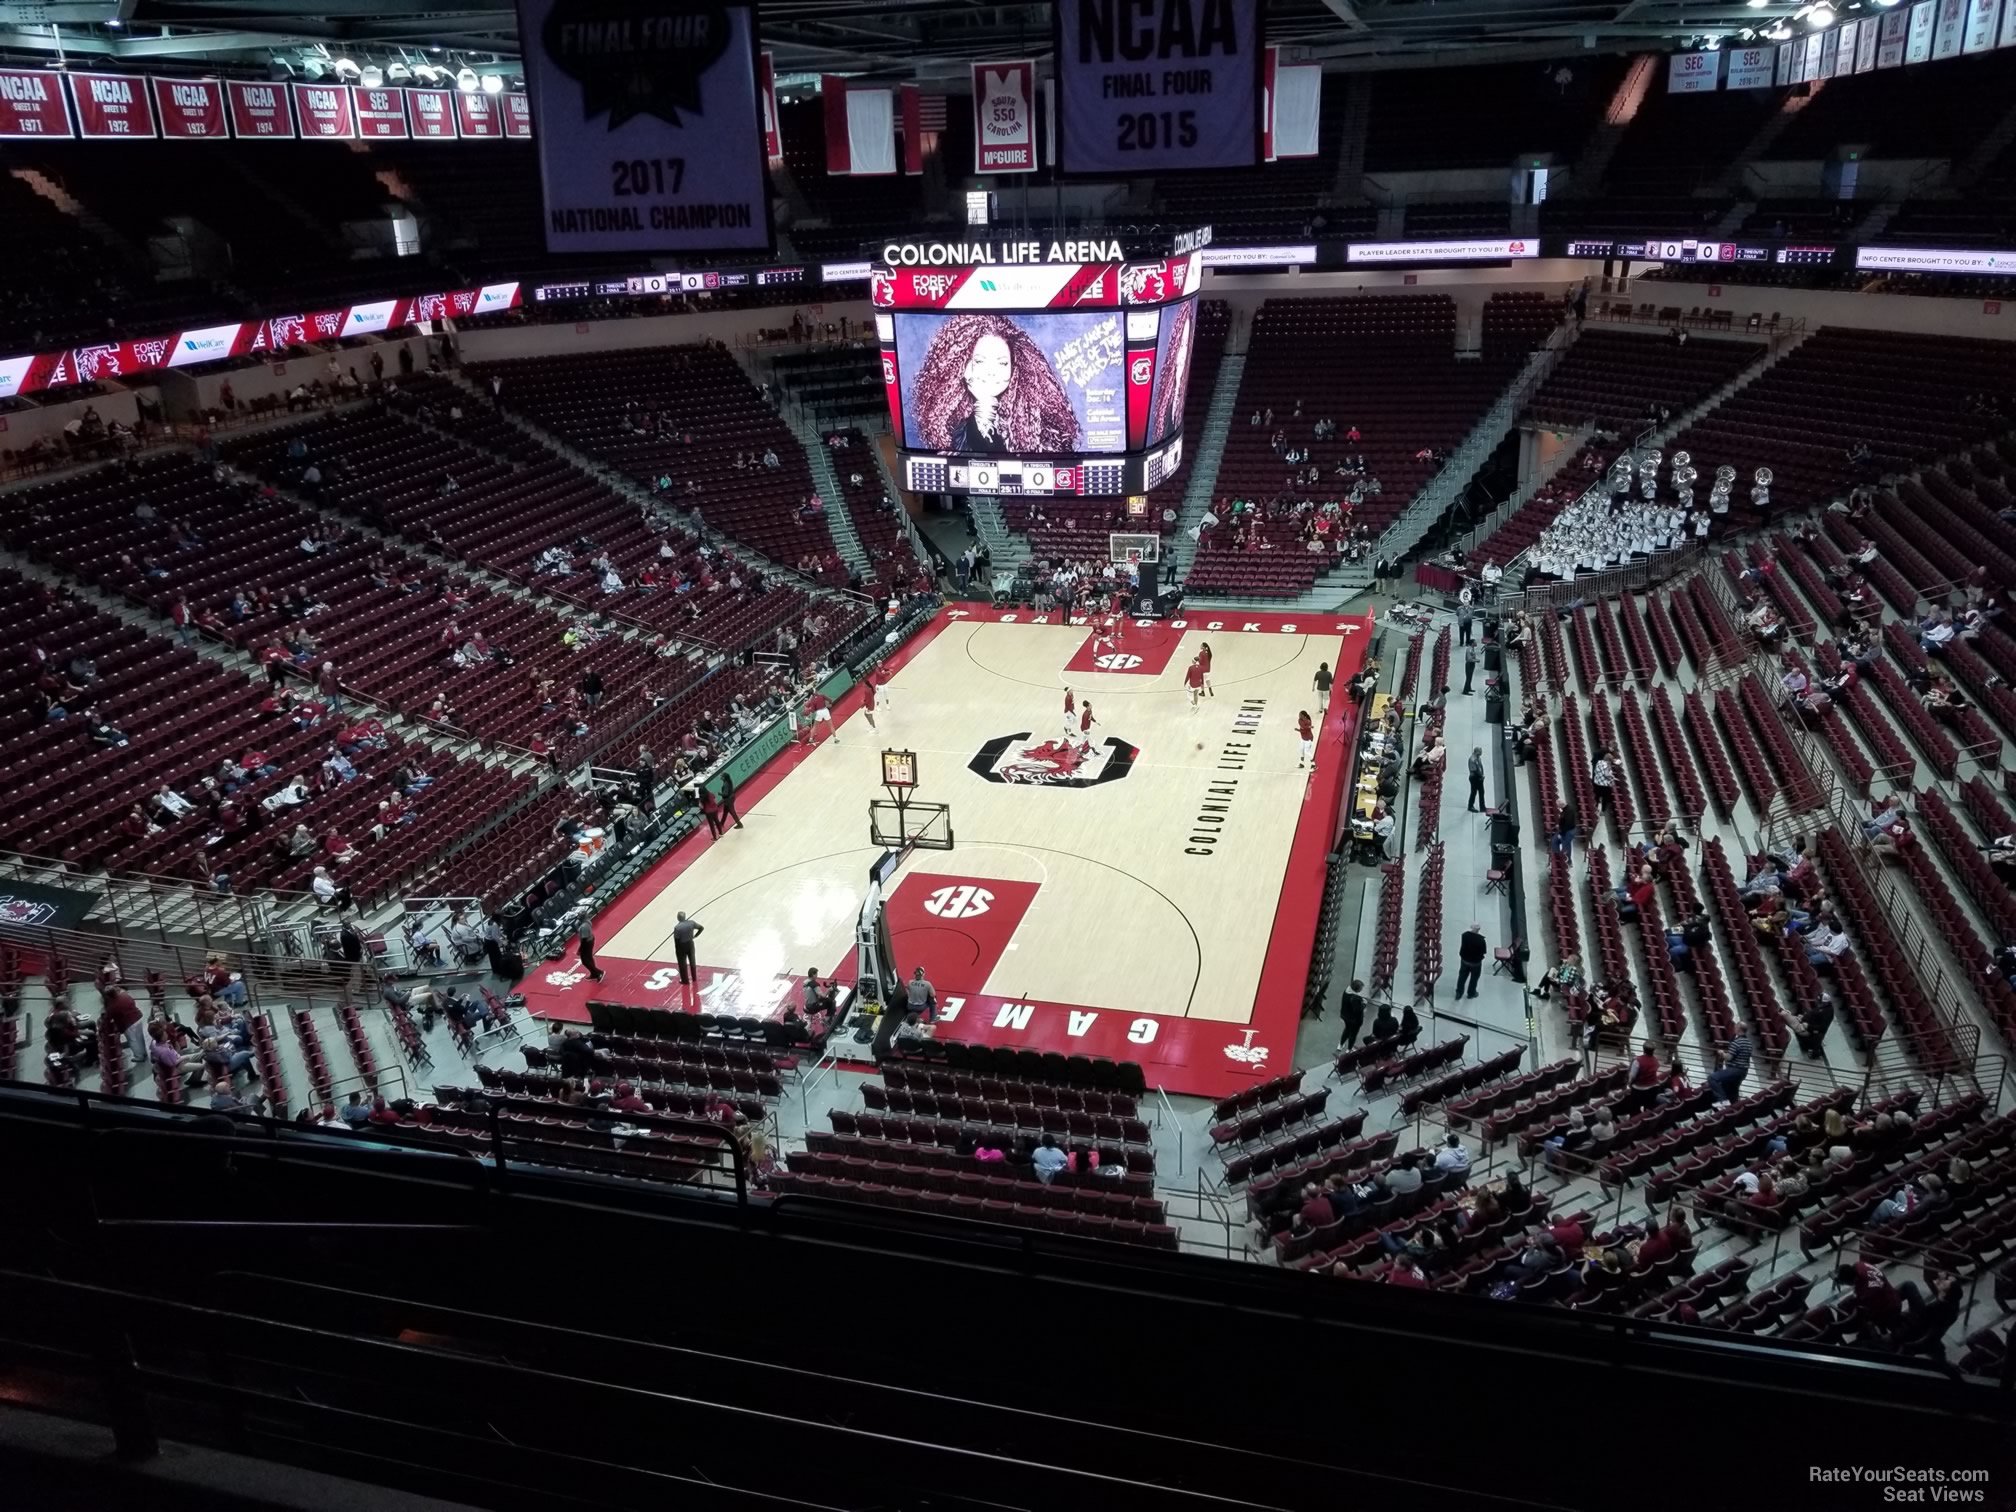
x=1146, y=86
x=650, y=124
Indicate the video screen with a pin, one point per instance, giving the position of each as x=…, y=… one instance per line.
x=1174, y=344
x=981, y=383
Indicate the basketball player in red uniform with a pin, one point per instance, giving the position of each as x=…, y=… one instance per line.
x=868, y=702
x=1070, y=714
x=1085, y=723
x=1307, y=733
x=1193, y=679
x=1204, y=661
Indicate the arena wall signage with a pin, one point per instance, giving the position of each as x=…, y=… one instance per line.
x=1443, y=251
x=1935, y=260
x=1150, y=86
x=130, y=358
x=650, y=124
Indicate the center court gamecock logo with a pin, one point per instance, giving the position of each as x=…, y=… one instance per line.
x=1052, y=763
x=22, y=911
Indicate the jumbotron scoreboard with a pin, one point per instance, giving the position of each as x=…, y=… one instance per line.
x=1020, y=363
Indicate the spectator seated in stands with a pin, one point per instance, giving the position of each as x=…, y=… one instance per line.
x=1825, y=944
x=1403, y=1176
x=1633, y=895
x=1923, y=1190
x=1565, y=975
x=1886, y=824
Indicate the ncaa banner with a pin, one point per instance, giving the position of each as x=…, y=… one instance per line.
x=650, y=124
x=1004, y=117
x=31, y=105
x=191, y=109
x=1150, y=86
x=116, y=106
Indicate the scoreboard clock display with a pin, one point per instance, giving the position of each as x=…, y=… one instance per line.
x=899, y=769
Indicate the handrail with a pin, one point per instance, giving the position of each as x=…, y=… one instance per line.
x=1170, y=1112
x=1601, y=585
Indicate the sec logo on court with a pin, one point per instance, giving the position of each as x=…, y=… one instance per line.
x=963, y=902
x=1116, y=661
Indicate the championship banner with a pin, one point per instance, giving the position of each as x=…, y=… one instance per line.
x=773, y=131
x=31, y=106
x=1865, y=46
x=1155, y=88
x=381, y=114
x=259, y=111
x=191, y=109
x=1918, y=40
x=1982, y=18
x=118, y=106
x=1004, y=117
x=478, y=116
x=432, y=114
x=325, y=111
x=650, y=124
x=1890, y=43
x=517, y=117
x=1750, y=68
x=1947, y=27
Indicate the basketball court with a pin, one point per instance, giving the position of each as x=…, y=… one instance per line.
x=1147, y=890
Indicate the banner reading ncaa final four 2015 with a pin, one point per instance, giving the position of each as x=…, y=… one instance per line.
x=649, y=120
x=1151, y=86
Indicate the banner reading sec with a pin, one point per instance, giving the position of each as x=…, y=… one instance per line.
x=1160, y=86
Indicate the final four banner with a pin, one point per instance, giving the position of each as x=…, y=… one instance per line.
x=650, y=124
x=1004, y=117
x=1159, y=86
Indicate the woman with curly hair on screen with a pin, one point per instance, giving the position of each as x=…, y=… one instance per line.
x=1173, y=382
x=986, y=388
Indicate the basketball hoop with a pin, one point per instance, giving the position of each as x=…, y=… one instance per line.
x=1133, y=548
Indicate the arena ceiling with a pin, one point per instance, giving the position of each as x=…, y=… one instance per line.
x=909, y=39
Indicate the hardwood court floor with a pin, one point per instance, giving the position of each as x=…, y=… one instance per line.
x=1123, y=903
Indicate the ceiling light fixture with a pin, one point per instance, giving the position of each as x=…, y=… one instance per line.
x=466, y=80
x=493, y=84
x=1820, y=16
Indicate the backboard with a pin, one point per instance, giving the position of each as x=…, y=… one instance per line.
x=1127, y=546
x=927, y=826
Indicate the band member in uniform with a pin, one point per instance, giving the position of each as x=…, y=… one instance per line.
x=1306, y=732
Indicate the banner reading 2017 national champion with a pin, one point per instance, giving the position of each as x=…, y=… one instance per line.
x=1149, y=86
x=650, y=124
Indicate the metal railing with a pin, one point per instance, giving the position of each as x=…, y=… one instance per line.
x=1602, y=585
